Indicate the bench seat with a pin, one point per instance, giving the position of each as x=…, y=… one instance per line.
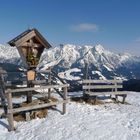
x=104, y=87
x=106, y=93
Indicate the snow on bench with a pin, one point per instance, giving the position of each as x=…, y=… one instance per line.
x=104, y=87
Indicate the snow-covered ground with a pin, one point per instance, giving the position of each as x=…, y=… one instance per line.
x=82, y=122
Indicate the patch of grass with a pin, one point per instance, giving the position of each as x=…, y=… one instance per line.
x=91, y=100
x=88, y=100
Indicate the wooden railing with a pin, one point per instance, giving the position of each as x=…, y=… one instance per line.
x=12, y=110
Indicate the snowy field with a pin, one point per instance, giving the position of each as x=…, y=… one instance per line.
x=82, y=122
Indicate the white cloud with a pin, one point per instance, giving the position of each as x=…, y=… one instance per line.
x=85, y=27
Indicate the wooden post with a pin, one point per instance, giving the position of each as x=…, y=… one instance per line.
x=10, y=111
x=86, y=70
x=123, y=101
x=89, y=86
x=65, y=98
x=49, y=82
x=2, y=93
x=95, y=99
x=27, y=114
x=29, y=94
x=115, y=85
x=116, y=96
x=85, y=77
x=30, y=77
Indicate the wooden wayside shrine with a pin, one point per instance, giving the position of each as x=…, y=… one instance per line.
x=30, y=45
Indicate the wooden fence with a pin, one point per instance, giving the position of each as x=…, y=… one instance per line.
x=11, y=111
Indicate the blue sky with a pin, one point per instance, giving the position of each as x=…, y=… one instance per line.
x=113, y=23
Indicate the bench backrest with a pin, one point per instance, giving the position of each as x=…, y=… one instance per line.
x=102, y=84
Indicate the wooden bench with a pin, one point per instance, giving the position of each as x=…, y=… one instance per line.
x=104, y=87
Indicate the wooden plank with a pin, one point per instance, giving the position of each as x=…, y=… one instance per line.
x=10, y=111
x=106, y=93
x=101, y=86
x=27, y=44
x=41, y=39
x=89, y=85
x=37, y=88
x=2, y=93
x=44, y=71
x=25, y=38
x=38, y=82
x=23, y=58
x=123, y=101
x=29, y=93
x=12, y=42
x=10, y=84
x=115, y=84
x=27, y=115
x=102, y=81
x=16, y=110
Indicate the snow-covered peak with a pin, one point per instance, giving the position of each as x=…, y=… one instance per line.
x=125, y=56
x=69, y=54
x=69, y=46
x=8, y=52
x=99, y=48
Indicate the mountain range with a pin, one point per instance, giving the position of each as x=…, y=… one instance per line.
x=71, y=62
